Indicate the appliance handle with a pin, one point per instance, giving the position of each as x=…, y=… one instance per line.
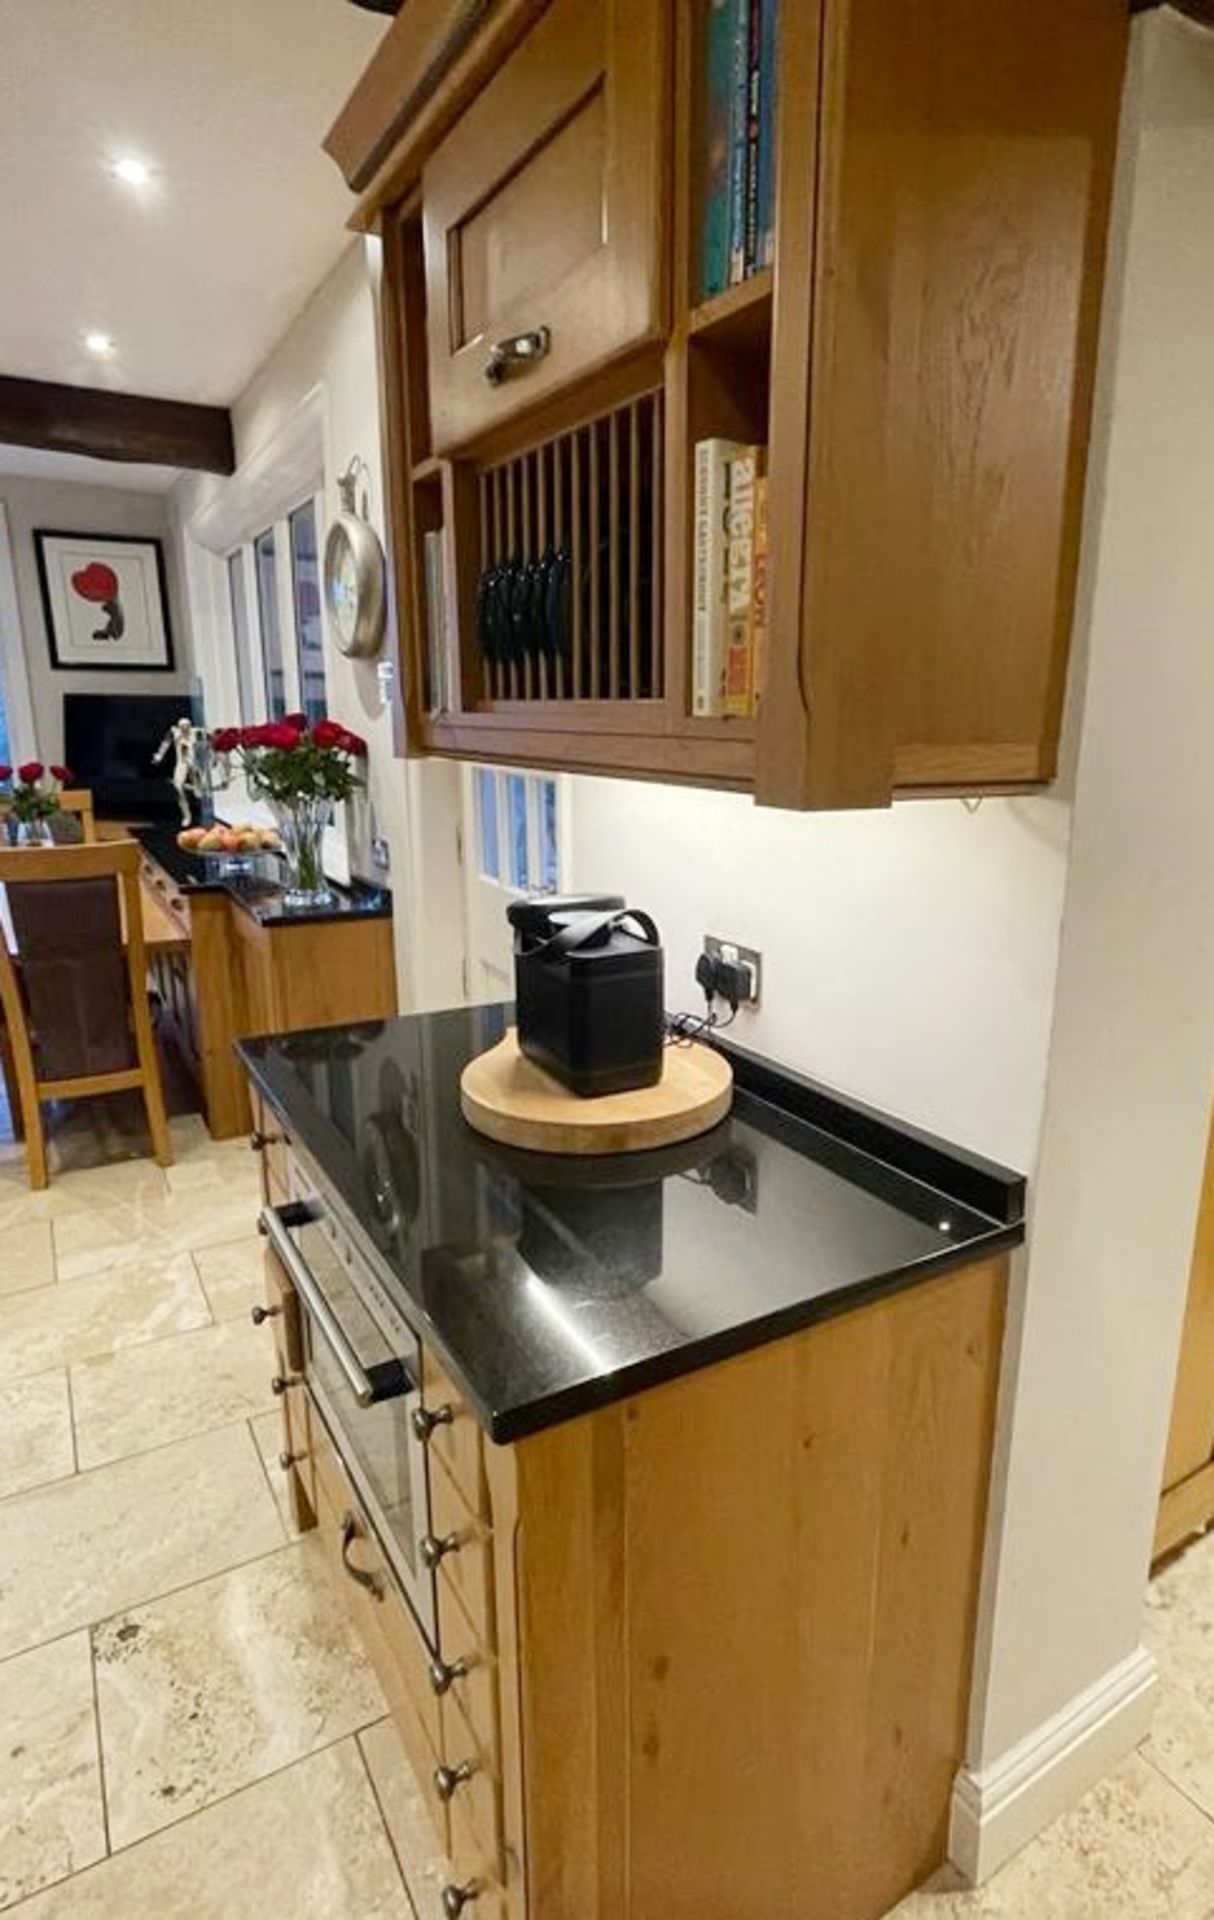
x=388, y=1381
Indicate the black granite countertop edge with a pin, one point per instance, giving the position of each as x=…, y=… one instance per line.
x=360, y=900
x=592, y=1394
x=970, y=1178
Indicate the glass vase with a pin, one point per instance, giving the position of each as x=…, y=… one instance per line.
x=27, y=833
x=301, y=826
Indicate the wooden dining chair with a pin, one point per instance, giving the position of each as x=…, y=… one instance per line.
x=73, y=985
x=77, y=804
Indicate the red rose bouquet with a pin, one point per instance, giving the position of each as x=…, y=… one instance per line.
x=302, y=771
x=33, y=791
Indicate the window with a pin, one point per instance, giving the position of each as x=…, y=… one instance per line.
x=265, y=559
x=517, y=830
x=242, y=638
x=309, y=625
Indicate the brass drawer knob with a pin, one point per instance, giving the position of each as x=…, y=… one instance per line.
x=444, y=1672
x=280, y=1383
x=433, y=1549
x=288, y=1460
x=259, y=1315
x=260, y=1141
x=447, y=1779
x=424, y=1420
x=455, y=1899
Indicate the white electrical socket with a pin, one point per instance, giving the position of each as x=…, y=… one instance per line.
x=737, y=955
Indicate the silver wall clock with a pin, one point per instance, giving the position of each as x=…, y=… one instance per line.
x=354, y=574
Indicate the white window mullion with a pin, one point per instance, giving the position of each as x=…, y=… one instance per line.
x=286, y=614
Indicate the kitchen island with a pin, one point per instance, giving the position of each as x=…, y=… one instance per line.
x=656, y=1482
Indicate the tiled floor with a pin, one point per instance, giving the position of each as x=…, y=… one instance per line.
x=186, y=1724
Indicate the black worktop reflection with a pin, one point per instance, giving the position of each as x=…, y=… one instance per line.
x=552, y=1285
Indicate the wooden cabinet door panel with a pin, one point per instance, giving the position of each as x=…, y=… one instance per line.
x=543, y=208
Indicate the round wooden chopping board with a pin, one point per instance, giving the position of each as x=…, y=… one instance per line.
x=509, y=1098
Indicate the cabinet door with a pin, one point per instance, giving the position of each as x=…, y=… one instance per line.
x=544, y=216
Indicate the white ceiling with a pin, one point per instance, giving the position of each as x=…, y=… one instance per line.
x=37, y=463
x=196, y=276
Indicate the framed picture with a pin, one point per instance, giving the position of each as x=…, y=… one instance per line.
x=105, y=602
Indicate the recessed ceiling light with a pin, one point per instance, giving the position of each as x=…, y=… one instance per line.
x=132, y=171
x=101, y=344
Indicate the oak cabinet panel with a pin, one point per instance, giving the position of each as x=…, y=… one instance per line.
x=543, y=215
x=916, y=364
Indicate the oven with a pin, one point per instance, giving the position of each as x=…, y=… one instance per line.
x=362, y=1364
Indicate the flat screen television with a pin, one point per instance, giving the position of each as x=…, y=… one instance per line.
x=108, y=742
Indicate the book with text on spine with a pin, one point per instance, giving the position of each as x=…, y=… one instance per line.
x=743, y=474
x=709, y=582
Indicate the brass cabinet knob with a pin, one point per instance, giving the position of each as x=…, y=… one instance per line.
x=444, y=1672
x=288, y=1460
x=281, y=1382
x=259, y=1315
x=455, y=1899
x=423, y=1420
x=447, y=1779
x=260, y=1141
x=433, y=1549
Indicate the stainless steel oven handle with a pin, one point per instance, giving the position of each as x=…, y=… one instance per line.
x=275, y=1229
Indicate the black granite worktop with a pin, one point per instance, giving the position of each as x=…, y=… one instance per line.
x=255, y=882
x=550, y=1286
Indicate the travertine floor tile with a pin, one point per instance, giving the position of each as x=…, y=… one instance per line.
x=222, y=1684
x=426, y=1869
x=82, y=1549
x=1133, y=1849
x=55, y=1326
x=153, y=1228
x=233, y=1276
x=269, y=1439
x=51, y=1822
x=1178, y=1619
x=35, y=1432
x=308, y=1843
x=1182, y=1741
x=127, y=1402
x=27, y=1256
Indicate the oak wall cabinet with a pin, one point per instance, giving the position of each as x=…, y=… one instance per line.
x=917, y=360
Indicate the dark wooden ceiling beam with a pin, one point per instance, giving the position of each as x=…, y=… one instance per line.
x=115, y=426
x=1202, y=10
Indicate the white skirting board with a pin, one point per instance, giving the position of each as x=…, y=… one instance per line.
x=996, y=1809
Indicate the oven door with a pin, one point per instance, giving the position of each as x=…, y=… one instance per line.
x=363, y=1369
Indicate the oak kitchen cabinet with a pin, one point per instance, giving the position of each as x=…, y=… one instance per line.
x=656, y=1484
x=918, y=363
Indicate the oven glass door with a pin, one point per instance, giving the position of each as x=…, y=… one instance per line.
x=378, y=1446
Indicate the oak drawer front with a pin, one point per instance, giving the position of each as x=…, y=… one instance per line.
x=470, y=1710
x=399, y=1650
x=270, y=1143
x=282, y=1309
x=476, y=1863
x=297, y=1442
x=455, y=1441
x=542, y=215
x=464, y=1569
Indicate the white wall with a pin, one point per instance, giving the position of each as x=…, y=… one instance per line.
x=66, y=506
x=908, y=955
x=324, y=370
x=1129, y=1085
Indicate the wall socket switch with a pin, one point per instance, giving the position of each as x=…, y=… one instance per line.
x=735, y=954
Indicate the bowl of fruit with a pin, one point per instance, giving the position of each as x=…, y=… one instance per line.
x=233, y=845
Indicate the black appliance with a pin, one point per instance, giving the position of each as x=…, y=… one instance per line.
x=108, y=742
x=588, y=984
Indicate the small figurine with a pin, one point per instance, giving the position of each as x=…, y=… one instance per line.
x=190, y=750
